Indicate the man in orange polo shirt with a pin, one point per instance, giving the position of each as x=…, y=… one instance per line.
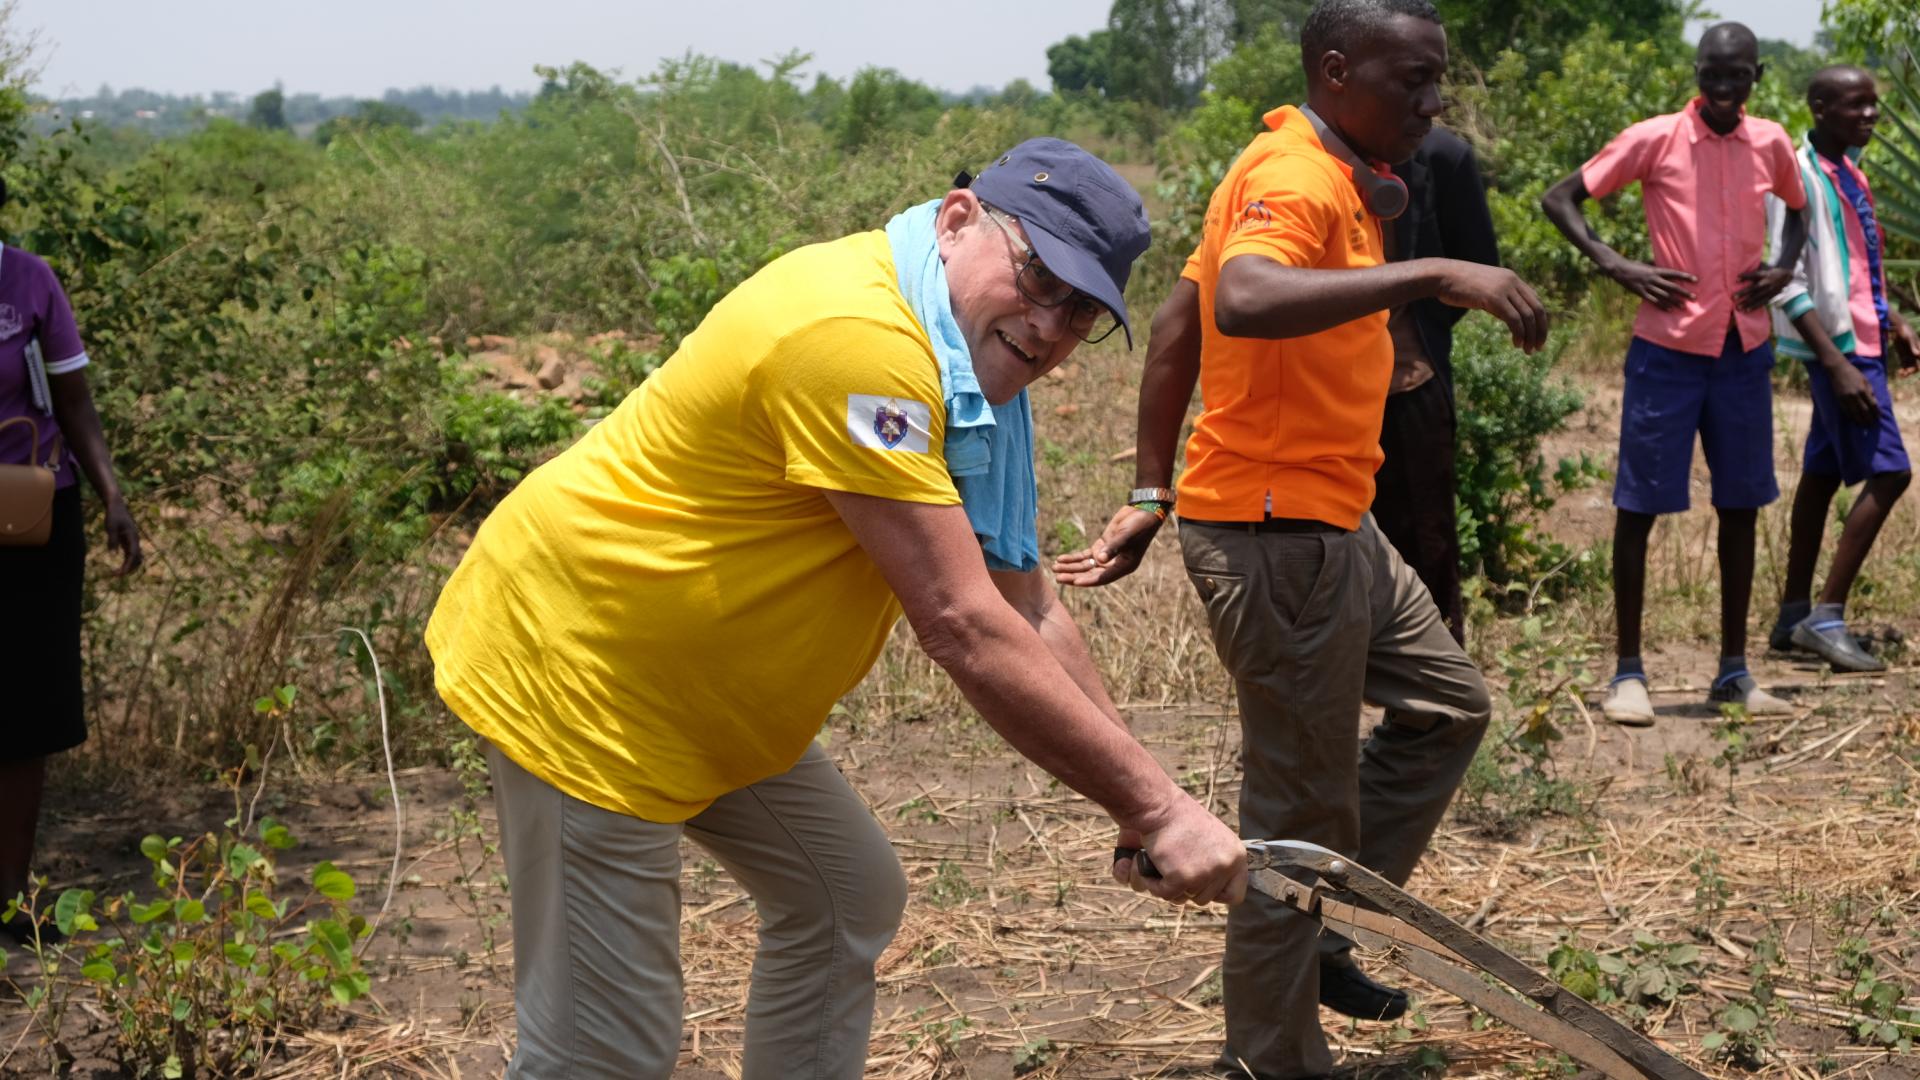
x=1311, y=609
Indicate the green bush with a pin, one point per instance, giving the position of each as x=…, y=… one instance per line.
x=1507, y=403
x=214, y=973
x=1533, y=125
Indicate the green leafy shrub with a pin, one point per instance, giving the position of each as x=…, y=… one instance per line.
x=1513, y=779
x=212, y=974
x=1507, y=404
x=1534, y=123
x=1875, y=996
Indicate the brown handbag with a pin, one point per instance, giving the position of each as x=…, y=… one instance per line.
x=26, y=494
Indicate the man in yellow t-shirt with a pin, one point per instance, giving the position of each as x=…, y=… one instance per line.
x=650, y=630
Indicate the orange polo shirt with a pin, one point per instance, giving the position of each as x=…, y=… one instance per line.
x=1290, y=428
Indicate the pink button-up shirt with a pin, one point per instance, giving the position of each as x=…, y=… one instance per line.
x=1704, y=215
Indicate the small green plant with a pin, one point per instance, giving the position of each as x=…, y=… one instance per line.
x=919, y=808
x=47, y=999
x=1402, y=1030
x=705, y=874
x=1579, y=970
x=1743, y=1030
x=1710, y=890
x=1557, y=1067
x=1211, y=991
x=217, y=971
x=1031, y=1055
x=941, y=1033
x=950, y=887
x=1883, y=1022
x=1429, y=1060
x=1513, y=779
x=1653, y=972
x=1732, y=733
x=1742, y=1035
x=478, y=882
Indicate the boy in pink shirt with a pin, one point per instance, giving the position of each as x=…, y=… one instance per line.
x=1835, y=317
x=1700, y=360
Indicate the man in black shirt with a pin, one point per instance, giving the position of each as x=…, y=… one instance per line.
x=1413, y=502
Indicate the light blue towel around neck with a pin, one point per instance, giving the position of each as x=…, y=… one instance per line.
x=989, y=448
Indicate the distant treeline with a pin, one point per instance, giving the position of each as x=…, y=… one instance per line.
x=175, y=114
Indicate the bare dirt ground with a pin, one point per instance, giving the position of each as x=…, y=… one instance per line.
x=1783, y=861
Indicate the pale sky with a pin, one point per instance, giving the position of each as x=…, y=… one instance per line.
x=361, y=47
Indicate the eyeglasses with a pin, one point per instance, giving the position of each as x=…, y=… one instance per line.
x=1089, y=319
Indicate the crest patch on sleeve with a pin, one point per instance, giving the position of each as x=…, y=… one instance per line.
x=889, y=423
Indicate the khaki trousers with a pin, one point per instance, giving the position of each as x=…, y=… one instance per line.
x=1310, y=624
x=596, y=925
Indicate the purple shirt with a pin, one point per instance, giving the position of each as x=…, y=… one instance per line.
x=33, y=308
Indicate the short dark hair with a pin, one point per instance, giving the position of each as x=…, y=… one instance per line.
x=1733, y=34
x=3, y=192
x=1343, y=25
x=1828, y=80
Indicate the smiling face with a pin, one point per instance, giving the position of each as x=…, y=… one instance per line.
x=1013, y=341
x=1846, y=106
x=1382, y=96
x=1726, y=67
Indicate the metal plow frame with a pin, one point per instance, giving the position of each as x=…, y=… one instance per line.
x=1352, y=900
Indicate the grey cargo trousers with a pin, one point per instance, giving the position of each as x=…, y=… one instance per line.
x=1310, y=623
x=596, y=925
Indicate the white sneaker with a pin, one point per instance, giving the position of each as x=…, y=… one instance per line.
x=1627, y=702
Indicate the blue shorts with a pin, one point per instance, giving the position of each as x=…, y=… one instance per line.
x=1670, y=395
x=1838, y=447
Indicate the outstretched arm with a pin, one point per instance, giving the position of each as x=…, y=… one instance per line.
x=931, y=559
x=1031, y=594
x=1166, y=389
x=1260, y=297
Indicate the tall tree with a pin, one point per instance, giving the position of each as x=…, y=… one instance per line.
x=269, y=110
x=1080, y=64
x=1159, y=50
x=1482, y=29
x=1876, y=32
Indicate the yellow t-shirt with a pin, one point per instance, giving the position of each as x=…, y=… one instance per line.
x=667, y=611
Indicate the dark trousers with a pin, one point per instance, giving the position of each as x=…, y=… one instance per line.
x=1310, y=625
x=1413, y=497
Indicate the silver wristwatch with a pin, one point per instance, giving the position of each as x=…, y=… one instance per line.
x=1150, y=494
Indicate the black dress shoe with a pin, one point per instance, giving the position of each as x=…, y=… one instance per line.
x=1347, y=990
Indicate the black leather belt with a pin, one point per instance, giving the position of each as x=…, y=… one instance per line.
x=1270, y=525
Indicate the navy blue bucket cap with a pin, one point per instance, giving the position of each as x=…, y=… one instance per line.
x=1085, y=222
